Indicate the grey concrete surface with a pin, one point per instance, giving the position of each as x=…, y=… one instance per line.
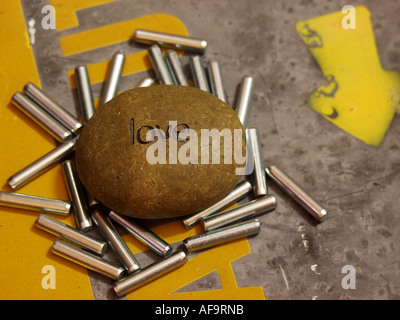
x=293, y=257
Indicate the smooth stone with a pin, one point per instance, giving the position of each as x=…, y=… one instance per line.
x=112, y=156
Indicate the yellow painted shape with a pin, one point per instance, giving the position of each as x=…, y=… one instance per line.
x=66, y=11
x=119, y=32
x=217, y=258
x=24, y=249
x=360, y=98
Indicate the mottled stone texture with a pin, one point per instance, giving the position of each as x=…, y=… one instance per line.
x=116, y=164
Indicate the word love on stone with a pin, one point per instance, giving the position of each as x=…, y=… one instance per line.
x=139, y=134
x=165, y=178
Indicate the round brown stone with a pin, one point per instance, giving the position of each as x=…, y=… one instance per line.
x=135, y=155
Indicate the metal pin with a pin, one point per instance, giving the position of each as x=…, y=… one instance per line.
x=150, y=273
x=41, y=117
x=214, y=73
x=71, y=234
x=145, y=82
x=84, y=93
x=296, y=192
x=75, y=191
x=42, y=164
x=239, y=192
x=87, y=260
x=242, y=212
x=244, y=97
x=115, y=241
x=28, y=202
x=175, y=65
x=171, y=71
x=53, y=108
x=188, y=44
x=222, y=235
x=258, y=178
x=199, y=73
x=87, y=108
x=91, y=201
x=110, y=88
x=144, y=235
x=159, y=65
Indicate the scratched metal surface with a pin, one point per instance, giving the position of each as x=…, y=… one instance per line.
x=293, y=257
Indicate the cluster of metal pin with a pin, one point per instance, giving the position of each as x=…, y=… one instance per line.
x=221, y=224
x=225, y=225
x=76, y=244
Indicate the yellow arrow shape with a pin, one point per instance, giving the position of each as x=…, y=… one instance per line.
x=361, y=97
